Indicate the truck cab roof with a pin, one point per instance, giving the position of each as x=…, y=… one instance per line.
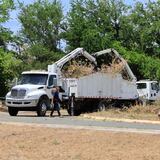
x=146, y=81
x=36, y=72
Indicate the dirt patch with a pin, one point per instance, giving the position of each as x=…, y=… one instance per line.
x=30, y=143
x=3, y=108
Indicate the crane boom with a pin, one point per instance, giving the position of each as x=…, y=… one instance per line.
x=57, y=66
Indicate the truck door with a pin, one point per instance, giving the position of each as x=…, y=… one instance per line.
x=142, y=89
x=154, y=89
x=52, y=81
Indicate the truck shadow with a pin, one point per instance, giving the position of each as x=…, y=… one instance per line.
x=34, y=114
x=46, y=116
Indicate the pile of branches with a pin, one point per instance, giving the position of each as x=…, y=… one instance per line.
x=76, y=69
x=112, y=68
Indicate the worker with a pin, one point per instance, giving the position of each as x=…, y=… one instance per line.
x=55, y=102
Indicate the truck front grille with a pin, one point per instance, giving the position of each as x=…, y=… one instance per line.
x=18, y=93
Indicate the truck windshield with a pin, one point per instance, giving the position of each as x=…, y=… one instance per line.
x=141, y=86
x=36, y=79
x=155, y=86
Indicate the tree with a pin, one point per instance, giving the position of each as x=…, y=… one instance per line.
x=5, y=7
x=9, y=66
x=8, y=63
x=5, y=35
x=95, y=24
x=134, y=32
x=41, y=23
x=143, y=66
x=145, y=19
x=37, y=57
x=76, y=23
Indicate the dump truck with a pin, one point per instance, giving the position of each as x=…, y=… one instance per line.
x=98, y=89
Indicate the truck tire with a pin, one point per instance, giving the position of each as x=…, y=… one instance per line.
x=42, y=107
x=143, y=102
x=75, y=112
x=12, y=111
x=101, y=106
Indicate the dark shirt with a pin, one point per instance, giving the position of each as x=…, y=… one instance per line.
x=56, y=97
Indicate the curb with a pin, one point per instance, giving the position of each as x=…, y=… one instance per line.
x=120, y=119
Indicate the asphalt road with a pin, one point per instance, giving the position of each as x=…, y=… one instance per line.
x=25, y=118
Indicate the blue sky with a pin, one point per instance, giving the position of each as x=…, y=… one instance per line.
x=15, y=26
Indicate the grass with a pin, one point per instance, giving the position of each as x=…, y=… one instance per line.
x=55, y=142
x=149, y=112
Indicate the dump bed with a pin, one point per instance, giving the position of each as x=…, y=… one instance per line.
x=109, y=77
x=103, y=85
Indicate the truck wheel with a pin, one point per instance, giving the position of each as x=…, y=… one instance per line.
x=42, y=107
x=101, y=106
x=143, y=102
x=75, y=112
x=12, y=111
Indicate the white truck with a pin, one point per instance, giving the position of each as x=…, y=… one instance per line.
x=96, y=90
x=33, y=93
x=148, y=91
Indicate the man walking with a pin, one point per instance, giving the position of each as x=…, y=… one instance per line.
x=55, y=101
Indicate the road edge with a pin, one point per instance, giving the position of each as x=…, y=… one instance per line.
x=91, y=128
x=120, y=119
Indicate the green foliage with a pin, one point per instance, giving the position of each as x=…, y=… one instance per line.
x=5, y=35
x=8, y=63
x=5, y=7
x=145, y=21
x=40, y=35
x=134, y=32
x=143, y=66
x=103, y=22
x=95, y=24
x=38, y=57
x=76, y=24
x=41, y=23
x=8, y=70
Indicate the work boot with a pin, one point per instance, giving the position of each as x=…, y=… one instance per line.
x=59, y=113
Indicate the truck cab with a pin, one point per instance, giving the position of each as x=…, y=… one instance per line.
x=33, y=92
x=148, y=90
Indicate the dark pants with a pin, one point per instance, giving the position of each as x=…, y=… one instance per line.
x=56, y=108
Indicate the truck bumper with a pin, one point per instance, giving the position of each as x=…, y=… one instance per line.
x=19, y=103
